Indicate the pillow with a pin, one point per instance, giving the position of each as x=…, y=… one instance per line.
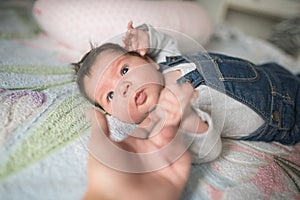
x=16, y=20
x=76, y=23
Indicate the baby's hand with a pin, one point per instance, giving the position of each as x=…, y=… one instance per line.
x=136, y=40
x=175, y=103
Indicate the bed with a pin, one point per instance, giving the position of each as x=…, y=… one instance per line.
x=44, y=132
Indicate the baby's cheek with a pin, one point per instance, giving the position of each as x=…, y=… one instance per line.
x=136, y=116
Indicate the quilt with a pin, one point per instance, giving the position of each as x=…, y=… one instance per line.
x=44, y=132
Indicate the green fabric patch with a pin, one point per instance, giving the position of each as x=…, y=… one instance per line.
x=64, y=124
x=38, y=69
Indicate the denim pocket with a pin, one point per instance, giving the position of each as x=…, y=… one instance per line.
x=234, y=69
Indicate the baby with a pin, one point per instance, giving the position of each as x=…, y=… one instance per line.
x=234, y=98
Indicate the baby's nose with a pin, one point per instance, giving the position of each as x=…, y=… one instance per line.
x=124, y=88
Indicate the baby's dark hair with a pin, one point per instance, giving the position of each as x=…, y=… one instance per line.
x=83, y=67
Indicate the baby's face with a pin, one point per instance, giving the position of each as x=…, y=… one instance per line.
x=125, y=86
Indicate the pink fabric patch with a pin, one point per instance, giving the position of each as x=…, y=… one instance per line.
x=76, y=23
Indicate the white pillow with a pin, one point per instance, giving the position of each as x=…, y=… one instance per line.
x=76, y=23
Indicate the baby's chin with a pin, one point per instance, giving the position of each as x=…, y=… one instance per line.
x=139, y=119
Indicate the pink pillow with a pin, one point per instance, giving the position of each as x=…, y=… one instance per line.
x=76, y=23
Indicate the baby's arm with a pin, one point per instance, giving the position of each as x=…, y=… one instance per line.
x=206, y=146
x=199, y=132
x=147, y=40
x=136, y=39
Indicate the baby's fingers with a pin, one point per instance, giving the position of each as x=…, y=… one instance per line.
x=127, y=39
x=130, y=25
x=184, y=93
x=131, y=44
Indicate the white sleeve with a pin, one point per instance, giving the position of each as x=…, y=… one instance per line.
x=207, y=146
x=161, y=44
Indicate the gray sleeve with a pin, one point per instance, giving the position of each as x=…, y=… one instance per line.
x=161, y=44
x=207, y=146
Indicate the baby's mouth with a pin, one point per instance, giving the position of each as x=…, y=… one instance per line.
x=140, y=98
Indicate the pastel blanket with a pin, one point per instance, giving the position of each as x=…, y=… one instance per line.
x=43, y=130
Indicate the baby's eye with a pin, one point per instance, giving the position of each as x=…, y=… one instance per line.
x=124, y=70
x=110, y=96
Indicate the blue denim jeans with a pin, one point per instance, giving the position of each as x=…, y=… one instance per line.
x=269, y=89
